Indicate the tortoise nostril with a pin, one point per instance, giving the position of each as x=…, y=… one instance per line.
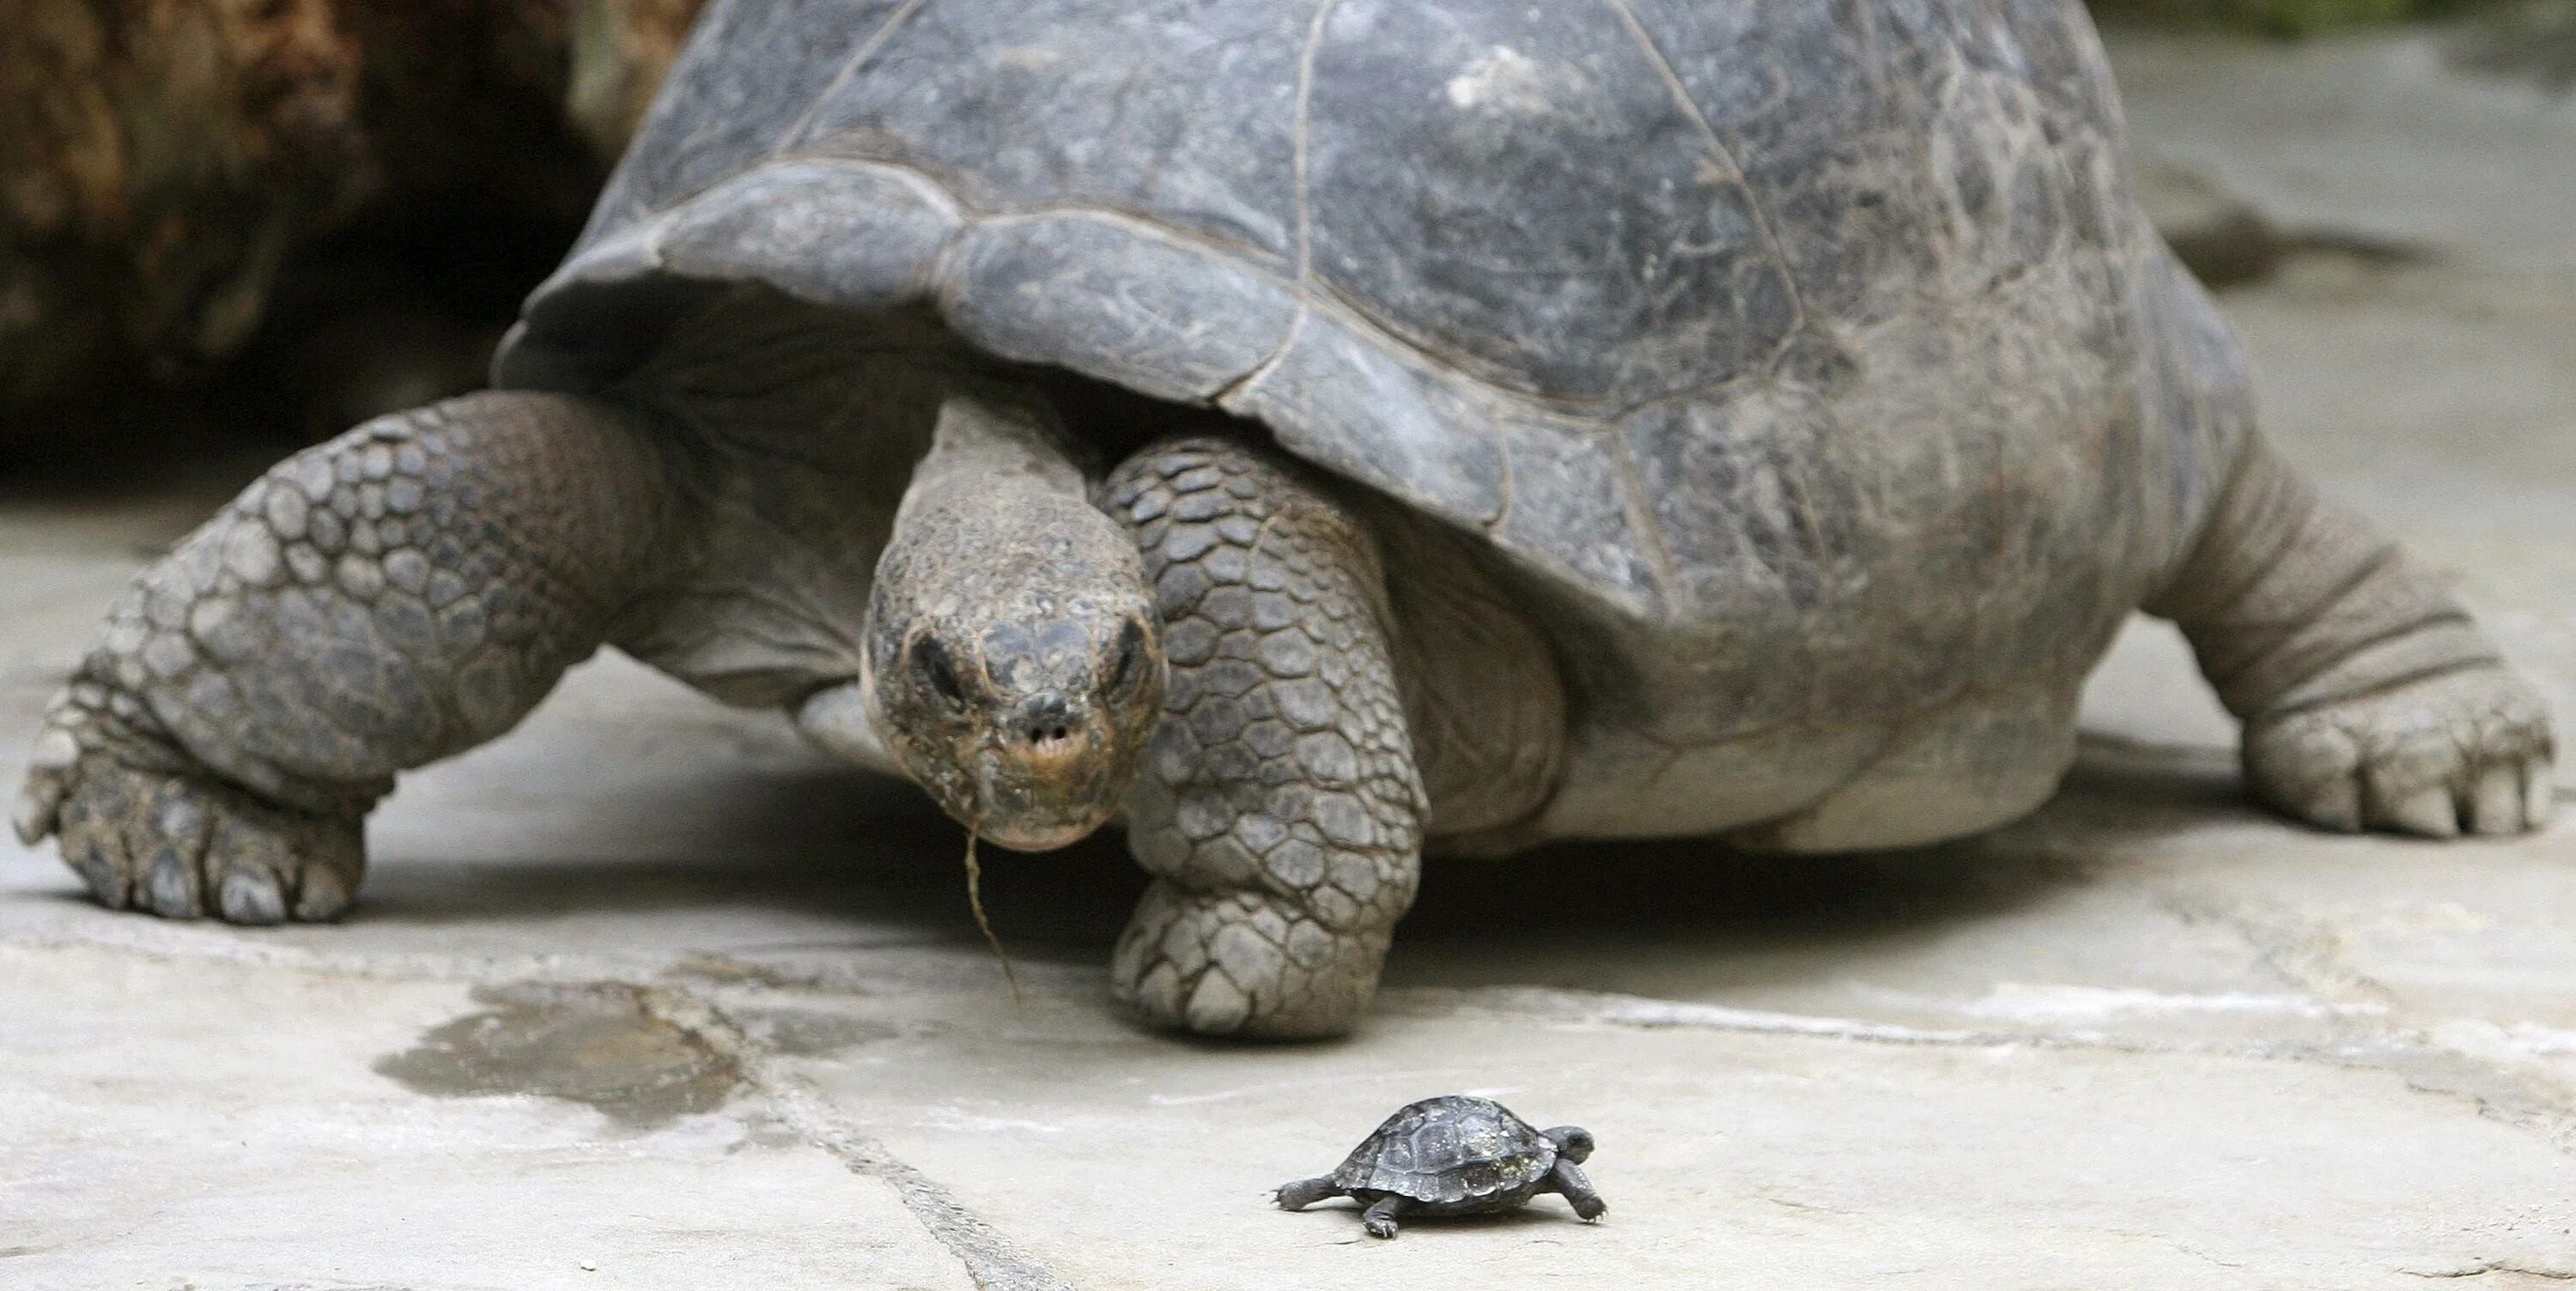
x=1043, y=724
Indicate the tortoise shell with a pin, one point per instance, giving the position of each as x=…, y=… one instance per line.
x=1449, y=1150
x=1808, y=367
x=1643, y=293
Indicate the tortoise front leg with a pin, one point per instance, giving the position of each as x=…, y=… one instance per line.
x=399, y=594
x=1381, y=1215
x=1306, y=1192
x=1279, y=806
x=1569, y=1179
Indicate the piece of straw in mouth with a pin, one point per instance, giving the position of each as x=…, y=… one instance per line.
x=975, y=902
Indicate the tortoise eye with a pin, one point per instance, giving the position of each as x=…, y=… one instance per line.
x=938, y=670
x=1128, y=667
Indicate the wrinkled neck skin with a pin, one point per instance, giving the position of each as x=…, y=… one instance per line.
x=1014, y=660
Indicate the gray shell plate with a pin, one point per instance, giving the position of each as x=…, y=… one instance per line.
x=1668, y=299
x=1449, y=1150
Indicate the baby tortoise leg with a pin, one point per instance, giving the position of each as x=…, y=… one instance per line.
x=1382, y=1213
x=1278, y=807
x=399, y=594
x=2369, y=697
x=1568, y=1178
x=1306, y=1192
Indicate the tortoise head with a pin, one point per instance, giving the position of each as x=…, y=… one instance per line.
x=1015, y=659
x=1573, y=1142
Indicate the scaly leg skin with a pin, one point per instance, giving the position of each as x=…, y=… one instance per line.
x=401, y=593
x=1381, y=1215
x=1279, y=806
x=1568, y=1178
x=2370, y=699
x=1306, y=1192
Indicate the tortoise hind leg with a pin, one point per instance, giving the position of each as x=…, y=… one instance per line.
x=399, y=594
x=2369, y=697
x=1306, y=1192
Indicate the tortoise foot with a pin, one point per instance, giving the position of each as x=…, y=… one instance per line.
x=2460, y=752
x=1243, y=963
x=184, y=847
x=1379, y=1219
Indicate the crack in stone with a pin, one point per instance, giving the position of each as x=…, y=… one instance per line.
x=2305, y=957
x=2494, y=1266
x=2158, y=1239
x=1647, y=1013
x=2301, y=956
x=992, y=1260
x=2427, y=1068
x=1601, y=1008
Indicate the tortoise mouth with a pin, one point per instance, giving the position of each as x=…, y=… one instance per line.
x=1036, y=797
x=1030, y=838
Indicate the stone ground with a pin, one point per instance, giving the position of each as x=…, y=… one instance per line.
x=648, y=996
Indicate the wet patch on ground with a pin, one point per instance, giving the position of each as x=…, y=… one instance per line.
x=805, y=1033
x=587, y=1044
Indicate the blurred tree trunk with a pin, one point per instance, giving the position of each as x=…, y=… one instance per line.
x=160, y=160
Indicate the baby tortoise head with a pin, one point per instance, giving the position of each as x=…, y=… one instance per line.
x=1016, y=665
x=1573, y=1142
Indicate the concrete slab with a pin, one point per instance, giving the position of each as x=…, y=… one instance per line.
x=1730, y=1156
x=2385, y=139
x=205, y=1120
x=652, y=988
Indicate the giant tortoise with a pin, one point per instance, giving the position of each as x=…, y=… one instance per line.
x=1315, y=432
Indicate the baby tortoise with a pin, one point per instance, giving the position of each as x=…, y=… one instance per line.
x=1454, y=1155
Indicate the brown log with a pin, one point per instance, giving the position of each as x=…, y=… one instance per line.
x=160, y=160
